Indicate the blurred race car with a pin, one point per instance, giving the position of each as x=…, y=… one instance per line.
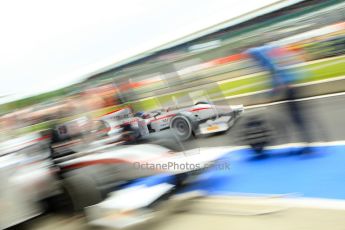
x=201, y=118
x=27, y=178
x=88, y=177
x=85, y=176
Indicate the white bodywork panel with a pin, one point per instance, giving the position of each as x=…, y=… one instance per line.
x=154, y=155
x=134, y=153
x=218, y=125
x=16, y=205
x=112, y=212
x=25, y=179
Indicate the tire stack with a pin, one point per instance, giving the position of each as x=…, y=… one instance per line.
x=257, y=133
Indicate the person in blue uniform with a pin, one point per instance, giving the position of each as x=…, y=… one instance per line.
x=275, y=61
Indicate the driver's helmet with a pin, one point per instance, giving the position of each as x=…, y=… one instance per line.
x=139, y=114
x=146, y=116
x=202, y=103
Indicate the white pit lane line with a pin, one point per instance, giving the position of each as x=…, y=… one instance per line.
x=283, y=146
x=301, y=99
x=272, y=202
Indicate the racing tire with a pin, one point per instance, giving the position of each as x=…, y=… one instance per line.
x=82, y=191
x=257, y=134
x=183, y=126
x=258, y=148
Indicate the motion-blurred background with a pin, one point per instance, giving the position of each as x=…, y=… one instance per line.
x=259, y=84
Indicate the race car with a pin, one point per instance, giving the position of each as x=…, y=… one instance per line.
x=84, y=176
x=201, y=118
x=82, y=133
x=123, y=126
x=27, y=179
x=89, y=177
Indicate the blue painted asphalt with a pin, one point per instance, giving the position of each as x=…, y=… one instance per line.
x=319, y=174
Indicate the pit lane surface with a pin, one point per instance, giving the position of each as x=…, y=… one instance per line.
x=318, y=174
x=325, y=121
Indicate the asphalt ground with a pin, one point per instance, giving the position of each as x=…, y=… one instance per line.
x=324, y=118
x=286, y=219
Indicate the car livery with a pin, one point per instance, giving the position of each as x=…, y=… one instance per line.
x=201, y=118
